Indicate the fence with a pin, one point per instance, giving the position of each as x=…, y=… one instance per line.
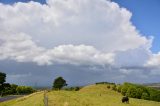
x=45, y=99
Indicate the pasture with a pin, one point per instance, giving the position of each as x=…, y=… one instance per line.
x=92, y=95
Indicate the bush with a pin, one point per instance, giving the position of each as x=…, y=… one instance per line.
x=119, y=88
x=24, y=90
x=105, y=83
x=72, y=89
x=154, y=95
x=139, y=92
x=131, y=92
x=145, y=96
x=108, y=86
x=114, y=87
x=77, y=88
x=124, y=90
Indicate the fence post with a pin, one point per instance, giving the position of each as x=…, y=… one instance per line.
x=45, y=99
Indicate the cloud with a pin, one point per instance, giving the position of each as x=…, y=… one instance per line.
x=93, y=35
x=76, y=55
x=154, y=60
x=96, y=24
x=19, y=47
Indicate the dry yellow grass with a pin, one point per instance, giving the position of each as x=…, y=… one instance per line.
x=35, y=99
x=93, y=95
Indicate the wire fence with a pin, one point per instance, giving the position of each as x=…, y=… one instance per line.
x=45, y=98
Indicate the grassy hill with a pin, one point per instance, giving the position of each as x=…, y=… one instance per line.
x=92, y=95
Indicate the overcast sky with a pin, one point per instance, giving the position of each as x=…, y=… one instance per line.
x=85, y=41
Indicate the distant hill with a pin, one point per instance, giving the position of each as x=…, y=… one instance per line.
x=153, y=85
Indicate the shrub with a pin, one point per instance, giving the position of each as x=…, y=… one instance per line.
x=154, y=95
x=131, y=92
x=13, y=88
x=72, y=88
x=114, y=87
x=124, y=90
x=105, y=83
x=145, y=96
x=77, y=88
x=139, y=92
x=24, y=90
x=108, y=86
x=119, y=88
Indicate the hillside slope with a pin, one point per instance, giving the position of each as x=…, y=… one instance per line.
x=35, y=99
x=93, y=95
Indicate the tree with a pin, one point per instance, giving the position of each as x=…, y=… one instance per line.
x=139, y=93
x=145, y=96
x=2, y=81
x=119, y=88
x=131, y=92
x=2, y=78
x=114, y=87
x=24, y=90
x=13, y=88
x=59, y=83
x=124, y=90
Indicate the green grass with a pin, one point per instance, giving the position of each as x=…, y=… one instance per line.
x=35, y=99
x=94, y=95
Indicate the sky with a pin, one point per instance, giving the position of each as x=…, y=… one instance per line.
x=85, y=41
x=145, y=17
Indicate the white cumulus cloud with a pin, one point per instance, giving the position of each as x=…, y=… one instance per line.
x=77, y=32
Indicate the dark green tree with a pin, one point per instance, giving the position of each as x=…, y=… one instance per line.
x=2, y=81
x=119, y=88
x=124, y=90
x=114, y=87
x=139, y=92
x=13, y=88
x=131, y=92
x=2, y=78
x=59, y=83
x=145, y=96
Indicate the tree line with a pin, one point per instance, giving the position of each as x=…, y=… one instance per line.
x=12, y=89
x=137, y=91
x=140, y=92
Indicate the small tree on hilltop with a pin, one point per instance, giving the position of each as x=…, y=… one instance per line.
x=59, y=83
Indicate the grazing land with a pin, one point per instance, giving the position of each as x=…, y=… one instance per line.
x=92, y=95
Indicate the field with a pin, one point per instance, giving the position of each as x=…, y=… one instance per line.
x=93, y=95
